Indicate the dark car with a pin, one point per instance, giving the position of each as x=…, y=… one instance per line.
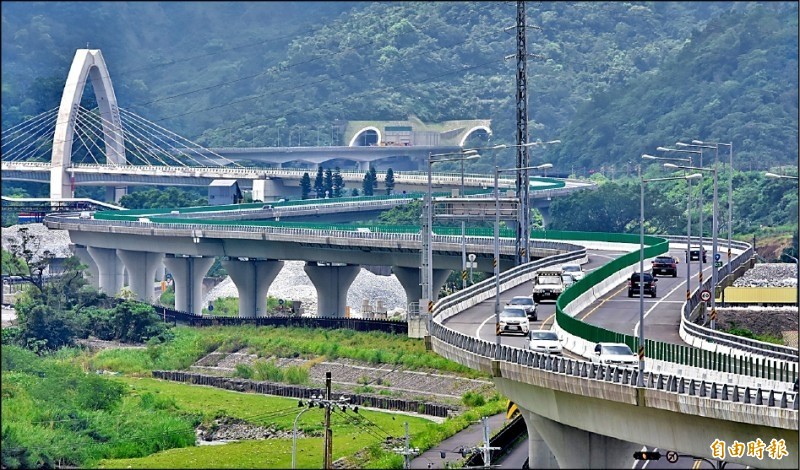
x=694, y=255
x=665, y=265
x=648, y=281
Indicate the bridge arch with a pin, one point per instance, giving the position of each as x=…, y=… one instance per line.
x=88, y=64
x=471, y=131
x=354, y=140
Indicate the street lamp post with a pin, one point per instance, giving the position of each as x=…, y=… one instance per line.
x=688, y=221
x=426, y=274
x=640, y=375
x=790, y=177
x=730, y=188
x=497, y=171
x=524, y=225
x=700, y=216
x=714, y=229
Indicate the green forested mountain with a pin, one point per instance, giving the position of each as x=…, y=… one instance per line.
x=610, y=79
x=734, y=81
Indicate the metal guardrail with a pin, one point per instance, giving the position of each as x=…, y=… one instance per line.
x=613, y=374
x=745, y=345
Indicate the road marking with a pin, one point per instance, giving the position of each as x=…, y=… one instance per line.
x=600, y=304
x=478, y=331
x=656, y=304
x=696, y=464
x=544, y=323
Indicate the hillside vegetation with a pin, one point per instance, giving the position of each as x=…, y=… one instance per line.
x=612, y=80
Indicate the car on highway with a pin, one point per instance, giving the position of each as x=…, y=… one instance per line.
x=513, y=320
x=647, y=279
x=666, y=265
x=616, y=354
x=544, y=341
x=574, y=270
x=694, y=255
x=526, y=302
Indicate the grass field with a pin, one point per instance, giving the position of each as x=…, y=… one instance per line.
x=357, y=436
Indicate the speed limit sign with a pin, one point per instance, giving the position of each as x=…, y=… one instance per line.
x=672, y=456
x=705, y=296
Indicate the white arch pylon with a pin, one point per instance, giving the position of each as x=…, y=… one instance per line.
x=87, y=64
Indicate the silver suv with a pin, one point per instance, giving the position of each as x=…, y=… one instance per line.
x=526, y=302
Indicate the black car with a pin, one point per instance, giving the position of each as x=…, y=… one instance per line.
x=665, y=265
x=649, y=284
x=694, y=255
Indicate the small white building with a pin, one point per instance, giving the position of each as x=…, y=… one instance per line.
x=221, y=192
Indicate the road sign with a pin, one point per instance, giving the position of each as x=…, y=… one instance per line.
x=471, y=257
x=210, y=307
x=717, y=256
x=672, y=456
x=705, y=296
x=717, y=264
x=280, y=301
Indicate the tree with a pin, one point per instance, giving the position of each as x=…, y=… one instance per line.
x=328, y=183
x=319, y=185
x=354, y=192
x=305, y=186
x=338, y=182
x=30, y=261
x=367, y=185
x=389, y=181
x=374, y=177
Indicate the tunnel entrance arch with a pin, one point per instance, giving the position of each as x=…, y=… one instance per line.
x=366, y=137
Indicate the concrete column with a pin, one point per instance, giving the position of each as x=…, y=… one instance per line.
x=109, y=269
x=409, y=279
x=141, y=266
x=115, y=193
x=576, y=448
x=545, y=211
x=187, y=275
x=252, y=278
x=93, y=276
x=332, y=283
x=539, y=455
x=363, y=166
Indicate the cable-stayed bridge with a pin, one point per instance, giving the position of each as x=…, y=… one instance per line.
x=70, y=146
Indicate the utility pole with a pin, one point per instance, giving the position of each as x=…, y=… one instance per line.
x=406, y=451
x=487, y=449
x=522, y=186
x=328, y=450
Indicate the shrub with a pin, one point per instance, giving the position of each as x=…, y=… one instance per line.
x=296, y=375
x=473, y=399
x=267, y=370
x=243, y=371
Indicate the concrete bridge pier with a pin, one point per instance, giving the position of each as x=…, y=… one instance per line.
x=570, y=447
x=252, y=278
x=187, y=274
x=332, y=282
x=141, y=266
x=83, y=254
x=543, y=206
x=409, y=279
x=109, y=269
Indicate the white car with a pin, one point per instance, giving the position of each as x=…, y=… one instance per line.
x=574, y=270
x=544, y=341
x=514, y=320
x=615, y=354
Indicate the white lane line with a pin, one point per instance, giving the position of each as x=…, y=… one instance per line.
x=636, y=462
x=636, y=328
x=478, y=331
